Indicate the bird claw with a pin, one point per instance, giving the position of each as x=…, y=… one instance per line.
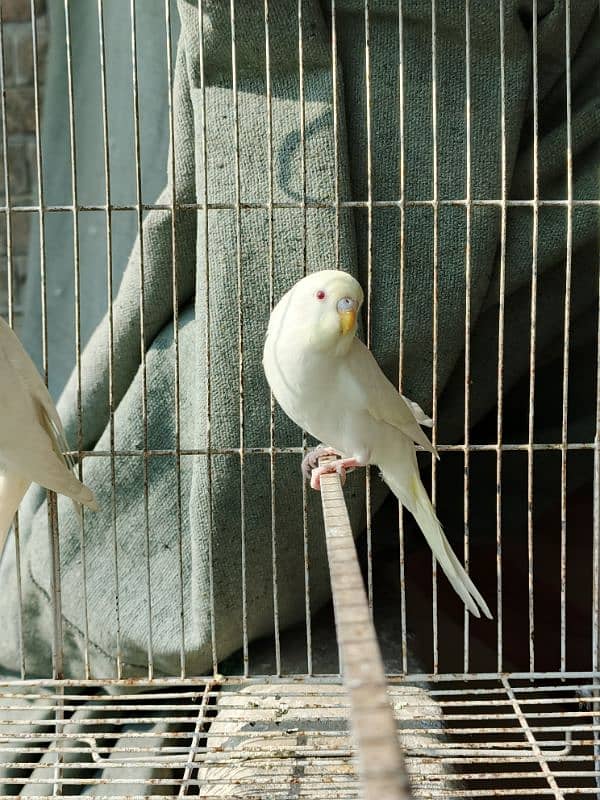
x=311, y=459
x=341, y=467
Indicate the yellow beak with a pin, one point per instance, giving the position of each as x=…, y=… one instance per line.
x=347, y=320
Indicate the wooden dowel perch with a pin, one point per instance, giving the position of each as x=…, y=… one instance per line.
x=380, y=760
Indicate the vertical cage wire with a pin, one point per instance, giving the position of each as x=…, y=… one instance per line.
x=595, y=655
x=533, y=334
x=142, y=310
x=303, y=208
x=110, y=318
x=335, y=68
x=175, y=289
x=58, y=641
x=435, y=289
x=272, y=457
x=53, y=534
x=204, y=206
x=500, y=372
x=238, y=257
x=303, y=213
x=142, y=323
x=402, y=234
x=467, y=387
x=566, y=343
x=55, y=589
x=41, y=203
x=369, y=292
x=77, y=315
x=335, y=113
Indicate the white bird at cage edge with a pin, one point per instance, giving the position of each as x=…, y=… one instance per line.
x=32, y=440
x=328, y=383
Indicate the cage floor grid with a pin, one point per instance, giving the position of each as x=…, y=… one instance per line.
x=290, y=740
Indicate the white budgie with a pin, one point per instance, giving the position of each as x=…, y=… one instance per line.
x=32, y=440
x=328, y=382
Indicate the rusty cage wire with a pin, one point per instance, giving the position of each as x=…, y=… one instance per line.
x=465, y=731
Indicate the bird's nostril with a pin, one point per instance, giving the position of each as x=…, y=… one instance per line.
x=346, y=304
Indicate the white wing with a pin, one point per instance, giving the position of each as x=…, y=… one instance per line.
x=381, y=398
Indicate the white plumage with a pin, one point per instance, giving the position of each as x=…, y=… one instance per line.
x=328, y=382
x=32, y=440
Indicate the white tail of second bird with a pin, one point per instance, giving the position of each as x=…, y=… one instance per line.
x=32, y=440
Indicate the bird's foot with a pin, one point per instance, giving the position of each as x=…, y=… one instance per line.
x=311, y=459
x=341, y=466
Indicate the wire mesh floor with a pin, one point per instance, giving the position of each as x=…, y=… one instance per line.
x=289, y=739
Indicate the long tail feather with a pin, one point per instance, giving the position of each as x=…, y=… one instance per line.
x=12, y=489
x=416, y=499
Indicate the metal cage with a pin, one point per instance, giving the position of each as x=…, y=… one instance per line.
x=244, y=732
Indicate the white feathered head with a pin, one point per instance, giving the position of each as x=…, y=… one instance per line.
x=321, y=310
